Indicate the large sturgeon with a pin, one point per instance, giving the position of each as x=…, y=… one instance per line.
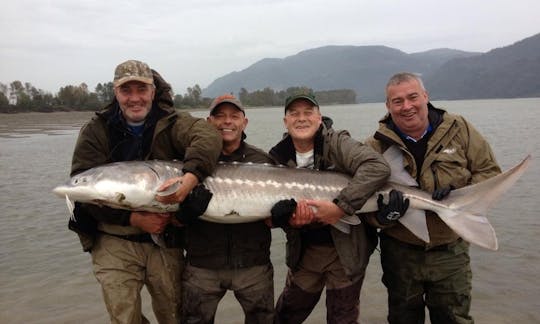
x=245, y=192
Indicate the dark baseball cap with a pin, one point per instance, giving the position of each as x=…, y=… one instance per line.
x=305, y=96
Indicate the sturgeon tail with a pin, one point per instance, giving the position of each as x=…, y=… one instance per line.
x=468, y=206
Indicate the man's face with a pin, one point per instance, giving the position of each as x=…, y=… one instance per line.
x=135, y=99
x=230, y=122
x=407, y=104
x=302, y=120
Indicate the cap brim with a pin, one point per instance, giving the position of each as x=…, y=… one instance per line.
x=212, y=109
x=306, y=98
x=121, y=81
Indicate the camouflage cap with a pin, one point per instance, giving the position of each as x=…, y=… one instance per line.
x=226, y=98
x=132, y=70
x=305, y=96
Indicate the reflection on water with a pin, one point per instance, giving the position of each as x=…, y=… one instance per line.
x=47, y=279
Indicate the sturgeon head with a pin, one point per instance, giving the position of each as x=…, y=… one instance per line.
x=128, y=185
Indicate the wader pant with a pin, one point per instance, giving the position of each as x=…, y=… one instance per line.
x=439, y=278
x=319, y=267
x=122, y=267
x=253, y=287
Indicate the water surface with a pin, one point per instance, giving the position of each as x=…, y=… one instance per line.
x=46, y=278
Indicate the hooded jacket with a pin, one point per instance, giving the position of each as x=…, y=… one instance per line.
x=337, y=151
x=457, y=155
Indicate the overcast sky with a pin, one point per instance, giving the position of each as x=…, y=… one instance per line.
x=53, y=43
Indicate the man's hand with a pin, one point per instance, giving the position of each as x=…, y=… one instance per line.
x=441, y=193
x=153, y=223
x=391, y=212
x=326, y=211
x=194, y=205
x=187, y=182
x=303, y=215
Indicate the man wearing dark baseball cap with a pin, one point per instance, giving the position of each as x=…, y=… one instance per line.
x=140, y=124
x=246, y=269
x=319, y=255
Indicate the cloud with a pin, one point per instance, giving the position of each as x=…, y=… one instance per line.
x=59, y=42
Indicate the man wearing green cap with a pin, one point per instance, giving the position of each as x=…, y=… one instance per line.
x=140, y=124
x=318, y=254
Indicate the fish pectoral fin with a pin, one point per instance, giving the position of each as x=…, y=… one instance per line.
x=342, y=227
x=159, y=240
x=71, y=207
x=415, y=221
x=170, y=189
x=350, y=219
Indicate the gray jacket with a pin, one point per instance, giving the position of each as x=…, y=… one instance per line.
x=337, y=151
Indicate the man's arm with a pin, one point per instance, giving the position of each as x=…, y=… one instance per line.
x=368, y=169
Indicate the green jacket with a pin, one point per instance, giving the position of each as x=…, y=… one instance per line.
x=337, y=151
x=456, y=155
x=230, y=246
x=176, y=135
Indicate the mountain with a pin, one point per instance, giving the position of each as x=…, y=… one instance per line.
x=511, y=71
x=508, y=72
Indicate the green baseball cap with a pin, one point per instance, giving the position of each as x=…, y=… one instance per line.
x=305, y=96
x=132, y=70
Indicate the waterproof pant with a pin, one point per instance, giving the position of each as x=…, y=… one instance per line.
x=123, y=267
x=319, y=267
x=253, y=287
x=439, y=278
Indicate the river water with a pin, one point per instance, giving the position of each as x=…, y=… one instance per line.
x=46, y=278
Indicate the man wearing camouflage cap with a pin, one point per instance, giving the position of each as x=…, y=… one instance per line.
x=140, y=124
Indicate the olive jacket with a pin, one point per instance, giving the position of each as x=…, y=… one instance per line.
x=168, y=135
x=457, y=155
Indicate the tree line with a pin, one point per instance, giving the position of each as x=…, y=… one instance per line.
x=24, y=97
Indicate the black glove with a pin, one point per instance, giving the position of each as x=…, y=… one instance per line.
x=173, y=236
x=82, y=221
x=282, y=212
x=396, y=207
x=194, y=205
x=441, y=193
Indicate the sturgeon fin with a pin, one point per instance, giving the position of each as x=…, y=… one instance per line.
x=394, y=157
x=170, y=189
x=468, y=206
x=350, y=219
x=342, y=227
x=345, y=222
x=158, y=239
x=474, y=229
x=415, y=221
x=71, y=207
